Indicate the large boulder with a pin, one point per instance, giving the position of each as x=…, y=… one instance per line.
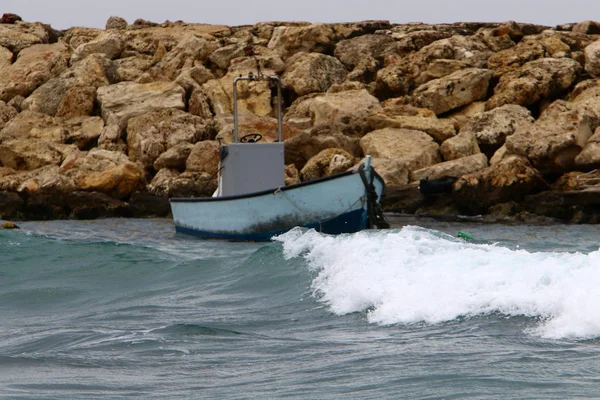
x=398, y=152
x=174, y=158
x=534, y=81
x=592, y=58
x=31, y=125
x=510, y=180
x=556, y=138
x=204, y=158
x=151, y=134
x=125, y=100
x=462, y=145
x=350, y=108
x=302, y=147
x=455, y=168
x=327, y=162
x=315, y=38
x=83, y=131
x=361, y=55
x=171, y=183
x=20, y=36
x=453, y=91
x=110, y=43
x=104, y=171
x=407, y=117
x=31, y=154
x=190, y=52
x=313, y=72
x=34, y=67
x=491, y=128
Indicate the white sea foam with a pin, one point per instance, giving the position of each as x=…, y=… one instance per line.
x=415, y=275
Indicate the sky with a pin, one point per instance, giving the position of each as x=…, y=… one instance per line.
x=63, y=14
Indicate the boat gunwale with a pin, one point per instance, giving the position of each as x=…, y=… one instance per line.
x=270, y=191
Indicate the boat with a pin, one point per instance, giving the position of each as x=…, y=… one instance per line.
x=252, y=202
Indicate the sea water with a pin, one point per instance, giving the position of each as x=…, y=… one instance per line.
x=126, y=308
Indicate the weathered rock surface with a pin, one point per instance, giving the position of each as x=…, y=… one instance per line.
x=125, y=100
x=151, y=134
x=454, y=169
x=313, y=72
x=398, y=152
x=543, y=78
x=453, y=91
x=327, y=162
x=511, y=179
x=592, y=58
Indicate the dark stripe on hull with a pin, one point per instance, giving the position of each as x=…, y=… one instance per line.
x=350, y=222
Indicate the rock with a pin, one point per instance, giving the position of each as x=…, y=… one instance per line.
x=361, y=54
x=104, y=171
x=131, y=69
x=312, y=72
x=590, y=155
x=199, y=104
x=110, y=43
x=18, y=37
x=461, y=116
x=6, y=57
x=587, y=27
x=34, y=66
x=116, y=23
x=453, y=91
x=491, y=128
x=556, y=138
x=534, y=81
x=46, y=98
x=455, y=168
x=29, y=155
x=77, y=101
x=192, y=51
x=191, y=79
x=398, y=152
x=125, y=100
x=327, y=162
x=511, y=179
x=31, y=125
x=204, y=158
x=8, y=224
x=111, y=139
x=592, y=58
x=6, y=114
x=462, y=145
x=439, y=129
x=314, y=38
x=84, y=131
x=302, y=147
x=9, y=18
x=174, y=158
x=171, y=183
x=292, y=176
x=222, y=56
x=350, y=108
x=151, y=134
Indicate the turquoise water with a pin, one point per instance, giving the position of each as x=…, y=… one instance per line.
x=113, y=309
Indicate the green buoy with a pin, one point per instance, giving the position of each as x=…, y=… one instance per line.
x=464, y=235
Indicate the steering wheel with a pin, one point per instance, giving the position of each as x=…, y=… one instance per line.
x=251, y=138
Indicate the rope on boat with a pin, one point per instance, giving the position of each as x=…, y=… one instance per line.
x=374, y=209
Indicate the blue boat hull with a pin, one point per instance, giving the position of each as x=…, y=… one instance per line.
x=333, y=205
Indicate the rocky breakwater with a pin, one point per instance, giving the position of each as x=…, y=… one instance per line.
x=113, y=122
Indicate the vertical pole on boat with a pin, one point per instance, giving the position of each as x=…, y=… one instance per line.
x=235, y=111
x=279, y=112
